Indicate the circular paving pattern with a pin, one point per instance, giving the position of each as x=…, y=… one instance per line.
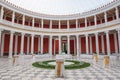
x=69, y=64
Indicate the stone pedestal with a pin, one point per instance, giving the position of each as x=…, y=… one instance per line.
x=14, y=59
x=95, y=57
x=106, y=61
x=59, y=69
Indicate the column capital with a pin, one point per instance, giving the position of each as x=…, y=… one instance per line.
x=41, y=35
x=1, y=30
x=96, y=33
x=68, y=35
x=106, y=32
x=32, y=34
x=77, y=35
x=22, y=33
x=12, y=32
x=86, y=34
x=105, y=13
x=50, y=35
x=118, y=29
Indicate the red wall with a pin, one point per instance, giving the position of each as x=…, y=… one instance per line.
x=46, y=44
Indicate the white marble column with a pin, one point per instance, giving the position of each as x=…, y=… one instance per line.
x=87, y=51
x=1, y=12
x=16, y=44
x=59, y=24
x=0, y=39
x=22, y=43
x=119, y=40
x=28, y=44
x=108, y=43
x=54, y=47
x=85, y=22
x=77, y=40
x=41, y=43
x=97, y=43
x=117, y=13
x=50, y=45
x=91, y=45
x=89, y=23
x=23, y=20
x=50, y=24
x=42, y=23
x=59, y=44
x=115, y=42
x=13, y=17
x=68, y=42
x=102, y=42
x=68, y=24
x=105, y=16
x=2, y=44
x=95, y=20
x=77, y=24
x=11, y=44
x=33, y=22
x=32, y=43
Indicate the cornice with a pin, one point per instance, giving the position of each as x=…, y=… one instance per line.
x=60, y=17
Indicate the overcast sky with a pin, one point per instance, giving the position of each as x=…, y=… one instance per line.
x=59, y=7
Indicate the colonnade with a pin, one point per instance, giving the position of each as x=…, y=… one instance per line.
x=78, y=43
x=41, y=23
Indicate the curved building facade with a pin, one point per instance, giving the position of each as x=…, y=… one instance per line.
x=27, y=32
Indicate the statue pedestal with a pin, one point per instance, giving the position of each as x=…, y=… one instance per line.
x=106, y=61
x=59, y=69
x=95, y=57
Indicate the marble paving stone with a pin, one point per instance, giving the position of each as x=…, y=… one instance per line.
x=23, y=70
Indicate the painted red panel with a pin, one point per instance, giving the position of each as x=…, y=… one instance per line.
x=93, y=44
x=25, y=45
x=82, y=25
x=73, y=26
x=109, y=19
x=83, y=45
x=9, y=18
x=72, y=46
x=112, y=45
x=105, y=44
x=45, y=45
x=13, y=43
x=55, y=26
x=6, y=43
x=57, y=46
x=46, y=26
x=63, y=26
x=100, y=44
x=19, y=43
x=35, y=44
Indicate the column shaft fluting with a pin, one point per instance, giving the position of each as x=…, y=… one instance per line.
x=32, y=43
x=108, y=43
x=41, y=44
x=68, y=42
x=11, y=44
x=87, y=51
x=16, y=44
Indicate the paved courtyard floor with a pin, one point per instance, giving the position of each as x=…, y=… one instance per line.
x=23, y=70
